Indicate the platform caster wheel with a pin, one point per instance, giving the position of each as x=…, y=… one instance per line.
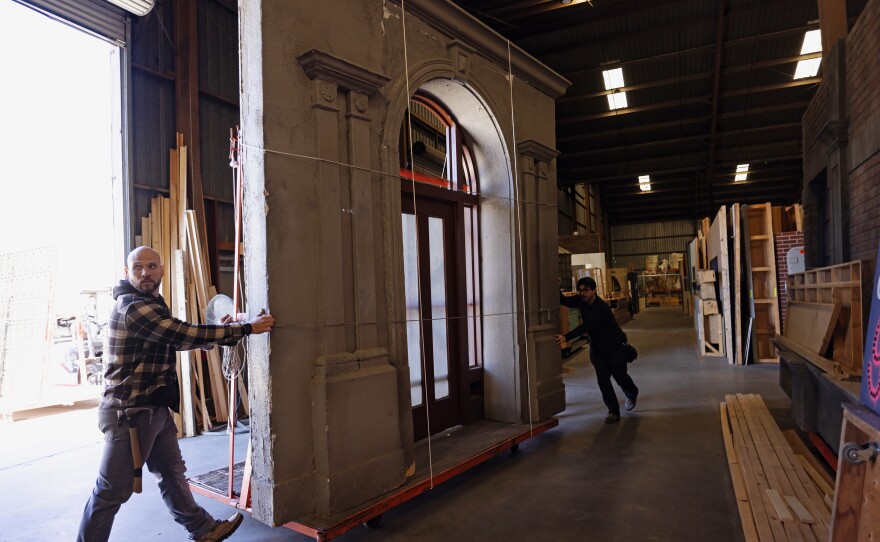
x=374, y=522
x=514, y=448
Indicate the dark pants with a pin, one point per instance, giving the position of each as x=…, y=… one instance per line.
x=613, y=366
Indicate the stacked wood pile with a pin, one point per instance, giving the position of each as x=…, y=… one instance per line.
x=779, y=498
x=173, y=231
x=739, y=246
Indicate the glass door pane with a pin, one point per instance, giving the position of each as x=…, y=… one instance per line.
x=411, y=287
x=436, y=247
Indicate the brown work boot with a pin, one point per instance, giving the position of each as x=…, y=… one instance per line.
x=222, y=529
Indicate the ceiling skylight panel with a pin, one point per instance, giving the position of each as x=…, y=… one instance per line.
x=613, y=78
x=617, y=100
x=742, y=173
x=645, y=183
x=807, y=68
x=812, y=44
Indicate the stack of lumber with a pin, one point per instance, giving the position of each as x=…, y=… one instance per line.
x=172, y=230
x=779, y=499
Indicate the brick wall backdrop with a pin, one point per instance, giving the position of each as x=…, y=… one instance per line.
x=785, y=241
x=863, y=115
x=863, y=107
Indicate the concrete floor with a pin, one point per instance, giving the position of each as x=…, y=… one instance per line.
x=660, y=474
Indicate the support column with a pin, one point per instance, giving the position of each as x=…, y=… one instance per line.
x=363, y=243
x=543, y=390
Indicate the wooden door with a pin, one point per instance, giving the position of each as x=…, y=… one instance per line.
x=432, y=304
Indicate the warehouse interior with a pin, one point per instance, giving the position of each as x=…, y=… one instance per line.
x=408, y=186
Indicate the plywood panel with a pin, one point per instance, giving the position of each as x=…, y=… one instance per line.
x=717, y=250
x=811, y=324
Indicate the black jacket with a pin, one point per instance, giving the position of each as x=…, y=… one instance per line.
x=606, y=337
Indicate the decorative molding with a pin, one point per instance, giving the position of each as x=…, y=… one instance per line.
x=324, y=95
x=357, y=105
x=835, y=134
x=543, y=170
x=461, y=26
x=325, y=67
x=460, y=56
x=541, y=152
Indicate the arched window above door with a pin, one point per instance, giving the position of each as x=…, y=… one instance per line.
x=434, y=148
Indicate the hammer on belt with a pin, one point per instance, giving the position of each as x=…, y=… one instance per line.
x=130, y=416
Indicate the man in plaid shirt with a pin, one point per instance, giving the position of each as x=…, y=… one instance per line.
x=142, y=372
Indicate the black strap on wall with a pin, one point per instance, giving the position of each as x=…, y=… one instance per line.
x=97, y=17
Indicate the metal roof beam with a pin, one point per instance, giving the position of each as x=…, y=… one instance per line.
x=748, y=153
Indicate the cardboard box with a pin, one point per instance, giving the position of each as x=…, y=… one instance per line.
x=706, y=290
x=705, y=275
x=710, y=306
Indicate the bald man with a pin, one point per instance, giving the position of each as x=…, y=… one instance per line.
x=141, y=371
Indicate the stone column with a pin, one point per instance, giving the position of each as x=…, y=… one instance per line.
x=543, y=389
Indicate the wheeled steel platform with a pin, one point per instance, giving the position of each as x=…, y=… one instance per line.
x=458, y=451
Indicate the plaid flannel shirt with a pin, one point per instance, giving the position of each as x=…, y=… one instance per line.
x=141, y=343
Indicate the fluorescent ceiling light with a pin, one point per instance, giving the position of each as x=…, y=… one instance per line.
x=812, y=42
x=644, y=183
x=742, y=173
x=613, y=78
x=645, y=187
x=807, y=68
x=617, y=100
x=742, y=168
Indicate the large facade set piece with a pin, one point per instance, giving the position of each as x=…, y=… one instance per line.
x=322, y=112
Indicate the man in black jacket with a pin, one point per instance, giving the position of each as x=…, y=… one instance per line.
x=607, y=345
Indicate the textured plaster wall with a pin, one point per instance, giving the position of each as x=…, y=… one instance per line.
x=323, y=239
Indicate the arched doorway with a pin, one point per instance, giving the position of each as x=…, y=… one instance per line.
x=440, y=227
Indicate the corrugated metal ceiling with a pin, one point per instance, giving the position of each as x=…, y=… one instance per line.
x=667, y=49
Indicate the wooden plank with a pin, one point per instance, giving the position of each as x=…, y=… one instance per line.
x=183, y=357
x=156, y=224
x=196, y=359
x=718, y=253
x=769, y=463
x=146, y=231
x=811, y=324
x=166, y=250
x=755, y=482
x=739, y=488
x=799, y=509
x=817, y=476
x=794, y=476
x=736, y=291
x=187, y=101
x=809, y=458
x=182, y=187
x=825, y=364
x=779, y=505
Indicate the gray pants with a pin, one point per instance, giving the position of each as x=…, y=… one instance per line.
x=161, y=454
